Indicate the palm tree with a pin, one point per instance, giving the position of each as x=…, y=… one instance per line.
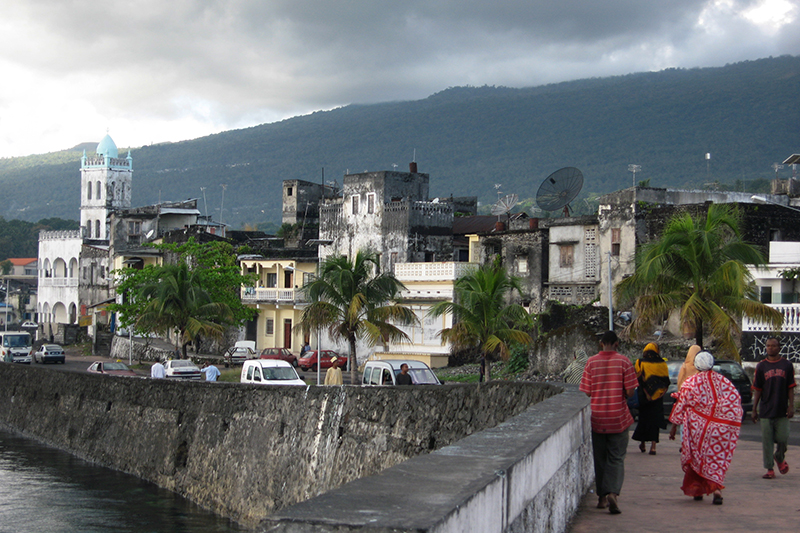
x=176, y=301
x=483, y=318
x=698, y=266
x=353, y=300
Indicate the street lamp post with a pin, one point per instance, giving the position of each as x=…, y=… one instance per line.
x=634, y=169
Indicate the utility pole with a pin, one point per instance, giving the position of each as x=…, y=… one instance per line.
x=634, y=169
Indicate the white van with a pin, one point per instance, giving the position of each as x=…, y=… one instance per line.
x=16, y=346
x=384, y=372
x=269, y=372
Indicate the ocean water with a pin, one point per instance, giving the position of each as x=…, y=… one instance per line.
x=43, y=489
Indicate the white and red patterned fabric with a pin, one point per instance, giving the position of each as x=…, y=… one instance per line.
x=710, y=409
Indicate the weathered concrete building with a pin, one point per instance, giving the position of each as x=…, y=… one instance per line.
x=389, y=213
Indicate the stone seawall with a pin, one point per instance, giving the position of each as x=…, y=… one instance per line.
x=246, y=451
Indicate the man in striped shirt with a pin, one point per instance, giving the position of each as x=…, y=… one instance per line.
x=609, y=379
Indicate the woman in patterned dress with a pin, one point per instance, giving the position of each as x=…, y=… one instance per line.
x=709, y=408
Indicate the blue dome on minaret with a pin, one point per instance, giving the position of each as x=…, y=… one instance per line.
x=107, y=147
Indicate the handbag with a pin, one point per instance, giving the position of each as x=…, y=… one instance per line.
x=633, y=401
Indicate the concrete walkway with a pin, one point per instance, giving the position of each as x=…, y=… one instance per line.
x=652, y=501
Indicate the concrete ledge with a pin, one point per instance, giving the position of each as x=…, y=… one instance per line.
x=527, y=474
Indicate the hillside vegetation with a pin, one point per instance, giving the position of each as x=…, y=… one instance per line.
x=468, y=139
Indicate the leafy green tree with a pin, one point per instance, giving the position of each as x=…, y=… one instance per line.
x=482, y=316
x=176, y=300
x=213, y=266
x=699, y=267
x=353, y=300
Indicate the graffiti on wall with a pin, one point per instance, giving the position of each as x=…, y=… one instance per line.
x=756, y=347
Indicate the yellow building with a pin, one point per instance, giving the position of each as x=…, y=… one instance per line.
x=278, y=296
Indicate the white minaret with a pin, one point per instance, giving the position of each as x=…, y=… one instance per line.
x=105, y=187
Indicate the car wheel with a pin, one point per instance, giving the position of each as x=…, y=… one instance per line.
x=313, y=368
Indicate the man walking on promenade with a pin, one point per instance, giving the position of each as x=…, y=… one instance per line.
x=773, y=403
x=609, y=379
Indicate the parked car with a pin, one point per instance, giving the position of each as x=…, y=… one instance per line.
x=49, y=353
x=309, y=360
x=269, y=372
x=730, y=369
x=182, y=369
x=384, y=372
x=284, y=354
x=112, y=368
x=241, y=352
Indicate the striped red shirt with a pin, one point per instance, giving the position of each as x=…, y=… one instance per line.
x=606, y=377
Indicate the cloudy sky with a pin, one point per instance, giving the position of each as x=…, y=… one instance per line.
x=166, y=70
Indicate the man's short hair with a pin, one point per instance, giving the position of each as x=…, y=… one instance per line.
x=609, y=338
x=772, y=338
x=403, y=365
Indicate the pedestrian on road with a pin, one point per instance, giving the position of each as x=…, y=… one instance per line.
x=653, y=375
x=211, y=372
x=404, y=378
x=609, y=379
x=334, y=374
x=709, y=408
x=687, y=368
x=773, y=403
x=157, y=370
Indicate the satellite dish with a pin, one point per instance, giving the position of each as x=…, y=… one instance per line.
x=559, y=189
x=150, y=233
x=504, y=205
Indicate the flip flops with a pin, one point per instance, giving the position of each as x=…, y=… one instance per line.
x=717, y=498
x=783, y=468
x=769, y=475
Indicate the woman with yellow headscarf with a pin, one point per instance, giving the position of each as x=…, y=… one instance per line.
x=653, y=377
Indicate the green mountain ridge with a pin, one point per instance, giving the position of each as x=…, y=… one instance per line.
x=467, y=139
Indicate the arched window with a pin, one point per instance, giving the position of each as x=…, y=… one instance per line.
x=89, y=229
x=89, y=191
x=98, y=195
x=97, y=230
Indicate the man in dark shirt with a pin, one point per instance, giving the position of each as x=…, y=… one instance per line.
x=773, y=403
x=404, y=378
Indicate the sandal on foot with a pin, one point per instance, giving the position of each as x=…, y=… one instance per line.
x=642, y=447
x=613, y=508
x=698, y=498
x=769, y=475
x=652, y=452
x=717, y=498
x=602, y=503
x=783, y=468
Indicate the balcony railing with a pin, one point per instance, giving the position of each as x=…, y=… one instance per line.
x=791, y=320
x=260, y=294
x=444, y=271
x=58, y=282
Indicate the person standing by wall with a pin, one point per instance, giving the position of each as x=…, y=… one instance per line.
x=211, y=371
x=609, y=379
x=773, y=404
x=157, y=370
x=404, y=378
x=334, y=374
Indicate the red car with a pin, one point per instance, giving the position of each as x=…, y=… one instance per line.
x=284, y=354
x=309, y=360
x=110, y=369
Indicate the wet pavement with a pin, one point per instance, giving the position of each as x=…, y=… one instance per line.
x=652, y=500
